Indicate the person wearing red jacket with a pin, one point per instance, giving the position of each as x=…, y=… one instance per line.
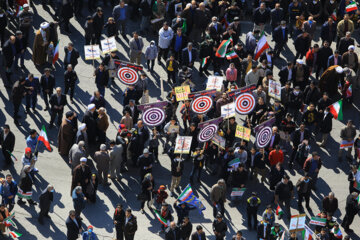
x=276, y=156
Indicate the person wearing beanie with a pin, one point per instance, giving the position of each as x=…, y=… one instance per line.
x=89, y=234
x=102, y=160
x=89, y=119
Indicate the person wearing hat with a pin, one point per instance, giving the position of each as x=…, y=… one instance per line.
x=90, y=119
x=25, y=186
x=284, y=192
x=102, y=160
x=47, y=83
x=252, y=206
x=219, y=227
x=41, y=43
x=81, y=135
x=57, y=102
x=330, y=80
x=7, y=143
x=350, y=58
x=300, y=74
x=20, y=44
x=151, y=53
x=45, y=199
x=161, y=195
x=89, y=234
x=347, y=135
x=81, y=175
x=77, y=151
x=26, y=22
x=145, y=162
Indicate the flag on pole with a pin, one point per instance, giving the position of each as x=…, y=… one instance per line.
x=12, y=156
x=204, y=62
x=162, y=220
x=349, y=91
x=221, y=51
x=307, y=233
x=9, y=222
x=43, y=138
x=188, y=196
x=279, y=211
x=231, y=55
x=56, y=53
x=351, y=7
x=14, y=234
x=336, y=110
x=333, y=15
x=337, y=233
x=262, y=45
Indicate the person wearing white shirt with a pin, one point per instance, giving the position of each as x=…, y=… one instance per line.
x=165, y=36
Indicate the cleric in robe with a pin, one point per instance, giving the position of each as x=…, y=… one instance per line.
x=41, y=43
x=330, y=80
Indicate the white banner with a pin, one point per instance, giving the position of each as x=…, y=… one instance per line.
x=92, y=52
x=108, y=45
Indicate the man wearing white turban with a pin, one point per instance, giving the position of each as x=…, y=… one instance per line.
x=41, y=43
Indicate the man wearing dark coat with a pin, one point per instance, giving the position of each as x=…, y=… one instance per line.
x=7, y=142
x=71, y=56
x=302, y=44
x=199, y=234
x=98, y=22
x=81, y=175
x=130, y=226
x=325, y=125
x=45, y=198
x=90, y=117
x=280, y=37
x=17, y=94
x=133, y=110
x=57, y=102
x=47, y=83
x=41, y=43
x=66, y=134
x=73, y=225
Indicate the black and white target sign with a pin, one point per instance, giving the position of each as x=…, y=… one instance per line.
x=263, y=137
x=245, y=103
x=153, y=117
x=201, y=104
x=207, y=132
x=127, y=76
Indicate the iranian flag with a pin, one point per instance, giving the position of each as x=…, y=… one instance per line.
x=357, y=186
x=337, y=233
x=262, y=45
x=336, y=110
x=9, y=222
x=14, y=234
x=185, y=194
x=56, y=53
x=279, y=211
x=26, y=195
x=318, y=221
x=12, y=156
x=160, y=218
x=43, y=138
x=333, y=15
x=349, y=91
x=221, y=51
x=351, y=7
x=204, y=62
x=307, y=233
x=231, y=55
x=237, y=192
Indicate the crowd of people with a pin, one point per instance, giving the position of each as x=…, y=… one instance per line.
x=182, y=33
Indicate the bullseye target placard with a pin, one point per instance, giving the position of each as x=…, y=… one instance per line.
x=245, y=103
x=201, y=104
x=263, y=137
x=128, y=76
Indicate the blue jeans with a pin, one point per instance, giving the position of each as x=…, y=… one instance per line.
x=33, y=99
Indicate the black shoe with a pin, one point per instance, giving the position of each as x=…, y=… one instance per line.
x=20, y=201
x=17, y=123
x=34, y=110
x=32, y=202
x=47, y=108
x=348, y=231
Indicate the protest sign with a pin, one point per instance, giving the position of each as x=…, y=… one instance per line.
x=214, y=82
x=274, y=89
x=182, y=93
x=228, y=110
x=243, y=132
x=182, y=145
x=92, y=52
x=108, y=45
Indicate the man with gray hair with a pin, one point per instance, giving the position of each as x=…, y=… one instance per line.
x=102, y=160
x=330, y=204
x=218, y=197
x=76, y=152
x=116, y=160
x=46, y=197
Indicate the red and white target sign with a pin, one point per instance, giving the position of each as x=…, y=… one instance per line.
x=245, y=103
x=127, y=76
x=201, y=104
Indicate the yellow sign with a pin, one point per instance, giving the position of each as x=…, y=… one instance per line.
x=182, y=93
x=243, y=132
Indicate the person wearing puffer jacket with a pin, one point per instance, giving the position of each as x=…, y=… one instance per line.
x=151, y=53
x=165, y=36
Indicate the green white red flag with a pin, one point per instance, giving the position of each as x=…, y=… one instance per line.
x=337, y=233
x=221, y=51
x=351, y=7
x=336, y=110
x=279, y=211
x=56, y=53
x=262, y=45
x=26, y=195
x=43, y=138
x=231, y=55
x=14, y=234
x=318, y=221
x=204, y=62
x=162, y=220
x=307, y=233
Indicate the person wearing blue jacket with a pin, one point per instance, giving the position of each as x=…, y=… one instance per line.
x=89, y=234
x=8, y=190
x=32, y=86
x=182, y=210
x=120, y=16
x=79, y=200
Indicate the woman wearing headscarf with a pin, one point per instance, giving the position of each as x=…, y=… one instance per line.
x=25, y=186
x=147, y=187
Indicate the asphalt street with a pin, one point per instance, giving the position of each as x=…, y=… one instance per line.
x=53, y=169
